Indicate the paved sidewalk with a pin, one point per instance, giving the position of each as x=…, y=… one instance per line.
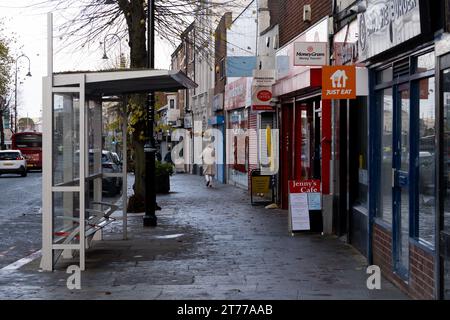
x=209, y=244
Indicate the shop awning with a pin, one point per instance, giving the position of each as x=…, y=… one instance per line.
x=126, y=81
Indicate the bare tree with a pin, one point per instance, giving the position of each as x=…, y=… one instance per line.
x=127, y=18
x=5, y=79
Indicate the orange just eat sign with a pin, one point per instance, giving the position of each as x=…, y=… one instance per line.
x=338, y=82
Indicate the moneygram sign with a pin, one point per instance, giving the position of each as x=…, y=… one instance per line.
x=310, y=54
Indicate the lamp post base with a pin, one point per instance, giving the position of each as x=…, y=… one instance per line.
x=150, y=221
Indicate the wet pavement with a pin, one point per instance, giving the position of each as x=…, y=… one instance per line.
x=209, y=244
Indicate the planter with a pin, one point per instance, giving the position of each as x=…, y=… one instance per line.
x=163, y=183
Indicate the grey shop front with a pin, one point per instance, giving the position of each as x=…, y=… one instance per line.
x=408, y=202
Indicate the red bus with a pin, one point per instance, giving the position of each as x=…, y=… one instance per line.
x=30, y=144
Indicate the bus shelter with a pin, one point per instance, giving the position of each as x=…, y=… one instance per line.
x=74, y=211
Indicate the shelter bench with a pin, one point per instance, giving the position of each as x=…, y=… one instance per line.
x=97, y=220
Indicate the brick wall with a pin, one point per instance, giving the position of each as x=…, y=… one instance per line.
x=290, y=14
x=421, y=263
x=220, y=51
x=274, y=10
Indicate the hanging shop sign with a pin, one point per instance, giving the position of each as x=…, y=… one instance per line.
x=262, y=90
x=310, y=54
x=262, y=98
x=338, y=82
x=386, y=24
x=304, y=196
x=237, y=93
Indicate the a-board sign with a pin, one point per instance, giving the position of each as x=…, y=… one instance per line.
x=304, y=196
x=261, y=184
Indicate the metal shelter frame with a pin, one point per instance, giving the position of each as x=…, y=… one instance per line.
x=72, y=151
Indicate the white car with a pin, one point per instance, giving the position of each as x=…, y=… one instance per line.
x=12, y=161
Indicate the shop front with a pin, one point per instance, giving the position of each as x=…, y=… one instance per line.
x=443, y=173
x=350, y=148
x=218, y=123
x=304, y=118
x=403, y=145
x=238, y=113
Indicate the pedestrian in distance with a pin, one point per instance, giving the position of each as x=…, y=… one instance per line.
x=209, y=162
x=168, y=156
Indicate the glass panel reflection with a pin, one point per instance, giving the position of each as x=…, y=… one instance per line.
x=446, y=103
x=404, y=166
x=385, y=103
x=427, y=147
x=66, y=212
x=66, y=139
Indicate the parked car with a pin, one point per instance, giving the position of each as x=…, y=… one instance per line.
x=12, y=161
x=111, y=185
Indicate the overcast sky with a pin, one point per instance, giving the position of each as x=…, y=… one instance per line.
x=29, y=25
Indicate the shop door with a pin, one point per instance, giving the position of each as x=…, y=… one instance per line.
x=400, y=171
x=445, y=192
x=303, y=138
x=287, y=147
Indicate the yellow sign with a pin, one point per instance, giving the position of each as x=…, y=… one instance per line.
x=261, y=184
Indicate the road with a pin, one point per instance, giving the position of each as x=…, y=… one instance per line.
x=20, y=216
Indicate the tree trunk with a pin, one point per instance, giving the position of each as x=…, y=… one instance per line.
x=2, y=133
x=135, y=17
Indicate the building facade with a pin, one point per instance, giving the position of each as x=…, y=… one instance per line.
x=391, y=186
x=381, y=157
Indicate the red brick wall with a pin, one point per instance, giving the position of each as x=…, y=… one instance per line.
x=421, y=263
x=291, y=21
x=220, y=53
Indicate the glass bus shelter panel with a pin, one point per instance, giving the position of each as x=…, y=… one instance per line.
x=112, y=146
x=66, y=213
x=66, y=139
x=94, y=136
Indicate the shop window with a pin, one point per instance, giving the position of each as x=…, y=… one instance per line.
x=425, y=62
x=222, y=69
x=446, y=148
x=427, y=147
x=361, y=145
x=384, y=75
x=306, y=145
x=385, y=103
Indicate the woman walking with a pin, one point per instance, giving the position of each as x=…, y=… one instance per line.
x=209, y=162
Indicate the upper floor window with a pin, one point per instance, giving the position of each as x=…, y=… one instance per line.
x=222, y=69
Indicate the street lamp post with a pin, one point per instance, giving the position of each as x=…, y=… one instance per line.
x=15, y=87
x=105, y=56
x=150, y=219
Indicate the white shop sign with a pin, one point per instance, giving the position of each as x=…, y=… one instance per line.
x=310, y=54
x=386, y=24
x=299, y=212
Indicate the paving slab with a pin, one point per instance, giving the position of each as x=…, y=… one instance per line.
x=209, y=244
